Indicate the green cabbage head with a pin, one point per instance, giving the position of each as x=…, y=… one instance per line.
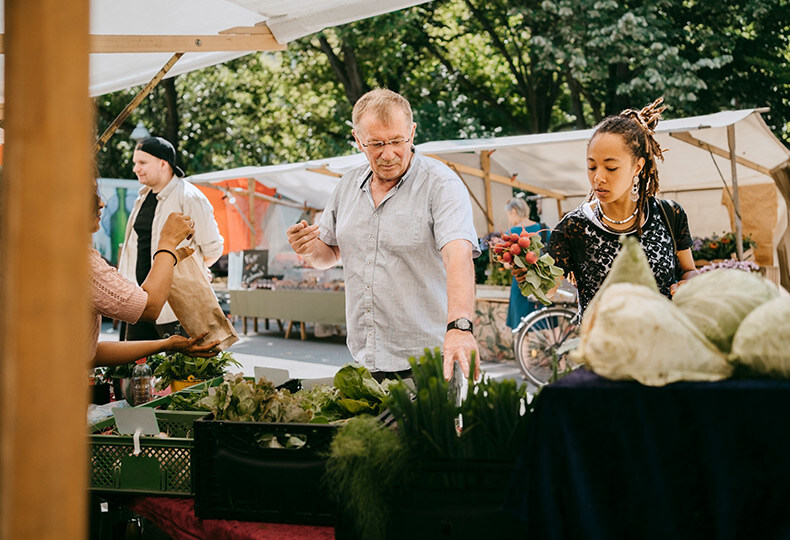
x=717, y=302
x=634, y=333
x=762, y=341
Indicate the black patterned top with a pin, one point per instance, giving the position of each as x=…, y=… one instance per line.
x=581, y=244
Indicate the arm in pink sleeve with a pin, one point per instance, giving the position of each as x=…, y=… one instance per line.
x=113, y=295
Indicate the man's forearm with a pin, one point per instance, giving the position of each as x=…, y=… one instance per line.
x=323, y=256
x=457, y=257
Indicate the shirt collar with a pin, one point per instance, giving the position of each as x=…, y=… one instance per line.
x=171, y=185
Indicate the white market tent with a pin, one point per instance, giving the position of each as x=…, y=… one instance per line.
x=132, y=41
x=54, y=55
x=695, y=170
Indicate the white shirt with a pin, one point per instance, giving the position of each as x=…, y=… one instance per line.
x=177, y=196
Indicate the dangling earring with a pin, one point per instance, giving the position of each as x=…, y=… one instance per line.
x=635, y=189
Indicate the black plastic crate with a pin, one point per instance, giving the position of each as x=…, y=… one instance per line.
x=456, y=500
x=238, y=476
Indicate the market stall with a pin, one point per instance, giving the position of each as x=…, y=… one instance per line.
x=698, y=172
x=54, y=56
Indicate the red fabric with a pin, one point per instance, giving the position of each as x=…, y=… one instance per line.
x=232, y=225
x=176, y=517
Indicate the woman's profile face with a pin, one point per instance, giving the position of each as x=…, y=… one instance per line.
x=611, y=167
x=97, y=217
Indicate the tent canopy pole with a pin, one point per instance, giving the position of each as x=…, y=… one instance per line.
x=685, y=137
x=485, y=165
x=134, y=103
x=735, y=199
x=499, y=178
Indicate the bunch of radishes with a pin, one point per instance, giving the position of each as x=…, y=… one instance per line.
x=536, y=274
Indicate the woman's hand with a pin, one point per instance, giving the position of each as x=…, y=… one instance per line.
x=183, y=253
x=176, y=229
x=189, y=346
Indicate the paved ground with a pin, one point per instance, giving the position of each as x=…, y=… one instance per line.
x=310, y=358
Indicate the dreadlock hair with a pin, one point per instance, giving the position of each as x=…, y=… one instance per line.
x=638, y=131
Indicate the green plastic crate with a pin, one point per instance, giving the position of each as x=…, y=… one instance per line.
x=163, y=467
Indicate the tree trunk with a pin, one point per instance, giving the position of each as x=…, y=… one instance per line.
x=171, y=115
x=346, y=69
x=576, y=100
x=618, y=74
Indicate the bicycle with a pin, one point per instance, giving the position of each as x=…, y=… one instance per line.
x=544, y=338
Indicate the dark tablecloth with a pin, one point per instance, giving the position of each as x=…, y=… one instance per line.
x=607, y=459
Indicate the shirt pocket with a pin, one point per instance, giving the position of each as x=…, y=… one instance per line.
x=401, y=231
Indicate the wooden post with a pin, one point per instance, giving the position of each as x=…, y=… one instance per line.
x=736, y=204
x=251, y=190
x=485, y=165
x=44, y=307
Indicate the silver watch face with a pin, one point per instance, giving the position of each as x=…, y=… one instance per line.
x=463, y=324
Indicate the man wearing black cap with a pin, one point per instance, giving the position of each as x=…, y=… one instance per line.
x=164, y=191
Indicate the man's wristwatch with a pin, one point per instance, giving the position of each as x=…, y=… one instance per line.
x=460, y=324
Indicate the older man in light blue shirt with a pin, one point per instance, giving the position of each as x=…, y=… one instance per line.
x=403, y=227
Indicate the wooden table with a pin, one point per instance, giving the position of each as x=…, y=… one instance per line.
x=292, y=305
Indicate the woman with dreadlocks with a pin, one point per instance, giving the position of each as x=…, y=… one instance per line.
x=621, y=168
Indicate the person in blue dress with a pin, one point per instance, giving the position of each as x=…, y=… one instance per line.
x=518, y=215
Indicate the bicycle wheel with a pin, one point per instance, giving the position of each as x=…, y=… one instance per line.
x=538, y=339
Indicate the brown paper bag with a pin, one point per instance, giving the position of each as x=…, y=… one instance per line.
x=195, y=305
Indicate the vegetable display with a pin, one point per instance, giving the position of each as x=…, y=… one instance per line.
x=237, y=398
x=179, y=367
x=630, y=331
x=633, y=333
x=535, y=274
x=371, y=466
x=240, y=400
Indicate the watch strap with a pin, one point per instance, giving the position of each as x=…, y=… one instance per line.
x=460, y=324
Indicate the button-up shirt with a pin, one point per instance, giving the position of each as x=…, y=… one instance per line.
x=396, y=283
x=177, y=196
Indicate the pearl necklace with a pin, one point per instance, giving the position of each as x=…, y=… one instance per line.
x=610, y=220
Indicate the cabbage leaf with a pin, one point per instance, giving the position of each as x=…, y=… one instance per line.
x=717, y=302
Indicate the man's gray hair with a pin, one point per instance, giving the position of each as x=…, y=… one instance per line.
x=383, y=103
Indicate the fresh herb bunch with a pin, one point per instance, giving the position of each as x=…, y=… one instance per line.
x=367, y=469
x=187, y=400
x=179, y=366
x=426, y=419
x=494, y=415
x=535, y=274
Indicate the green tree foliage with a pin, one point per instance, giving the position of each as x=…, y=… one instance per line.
x=470, y=68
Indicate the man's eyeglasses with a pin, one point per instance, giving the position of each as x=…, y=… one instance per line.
x=379, y=145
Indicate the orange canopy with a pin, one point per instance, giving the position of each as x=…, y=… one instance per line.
x=232, y=211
